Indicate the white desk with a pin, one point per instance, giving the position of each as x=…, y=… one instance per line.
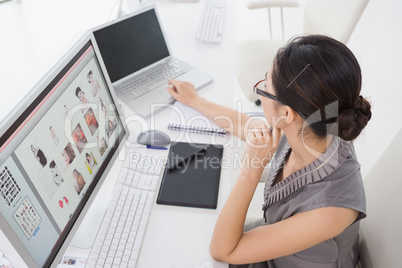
x=35, y=31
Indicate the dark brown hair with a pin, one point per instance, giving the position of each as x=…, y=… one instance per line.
x=321, y=78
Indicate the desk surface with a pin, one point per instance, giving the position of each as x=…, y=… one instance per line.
x=36, y=35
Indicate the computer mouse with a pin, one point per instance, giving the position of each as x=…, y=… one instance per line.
x=153, y=137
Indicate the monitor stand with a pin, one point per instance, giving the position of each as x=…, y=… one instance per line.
x=86, y=233
x=88, y=229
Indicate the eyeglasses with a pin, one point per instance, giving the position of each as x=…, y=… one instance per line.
x=265, y=94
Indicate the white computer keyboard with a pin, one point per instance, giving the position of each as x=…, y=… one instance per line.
x=212, y=21
x=120, y=236
x=155, y=77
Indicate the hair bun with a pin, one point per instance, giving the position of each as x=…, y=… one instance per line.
x=353, y=120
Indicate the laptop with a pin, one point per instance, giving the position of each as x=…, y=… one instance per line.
x=139, y=61
x=56, y=149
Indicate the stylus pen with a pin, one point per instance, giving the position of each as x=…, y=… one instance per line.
x=181, y=160
x=156, y=147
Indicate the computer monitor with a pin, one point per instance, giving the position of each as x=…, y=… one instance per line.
x=56, y=148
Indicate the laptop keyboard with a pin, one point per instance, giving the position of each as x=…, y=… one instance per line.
x=120, y=236
x=155, y=77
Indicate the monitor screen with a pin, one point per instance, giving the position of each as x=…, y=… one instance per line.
x=131, y=44
x=54, y=153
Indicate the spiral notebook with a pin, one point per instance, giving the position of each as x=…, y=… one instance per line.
x=186, y=118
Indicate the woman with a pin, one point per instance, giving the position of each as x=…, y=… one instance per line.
x=79, y=181
x=314, y=196
x=103, y=107
x=68, y=155
x=111, y=126
x=81, y=95
x=90, y=162
x=57, y=178
x=39, y=155
x=90, y=119
x=54, y=136
x=95, y=87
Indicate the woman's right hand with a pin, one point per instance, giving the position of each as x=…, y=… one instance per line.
x=261, y=144
x=183, y=91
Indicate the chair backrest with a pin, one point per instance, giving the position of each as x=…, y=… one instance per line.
x=381, y=231
x=336, y=18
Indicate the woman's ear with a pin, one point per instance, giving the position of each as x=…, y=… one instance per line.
x=284, y=116
x=290, y=115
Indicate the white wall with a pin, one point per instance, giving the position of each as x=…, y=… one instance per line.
x=377, y=43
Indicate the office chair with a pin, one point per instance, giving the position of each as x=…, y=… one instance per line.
x=335, y=18
x=381, y=233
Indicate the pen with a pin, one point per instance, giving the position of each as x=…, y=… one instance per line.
x=183, y=159
x=156, y=147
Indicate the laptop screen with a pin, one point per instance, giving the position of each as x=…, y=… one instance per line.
x=131, y=44
x=54, y=154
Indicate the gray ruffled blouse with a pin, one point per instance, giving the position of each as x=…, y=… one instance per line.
x=332, y=180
